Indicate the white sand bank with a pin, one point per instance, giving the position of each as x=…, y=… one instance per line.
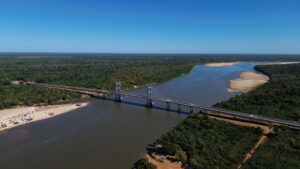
x=221, y=64
x=10, y=118
x=247, y=82
x=278, y=63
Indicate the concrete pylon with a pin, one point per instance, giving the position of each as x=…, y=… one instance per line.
x=118, y=97
x=149, y=102
x=168, y=106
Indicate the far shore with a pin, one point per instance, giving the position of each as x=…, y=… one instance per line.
x=10, y=118
x=247, y=82
x=219, y=64
x=278, y=63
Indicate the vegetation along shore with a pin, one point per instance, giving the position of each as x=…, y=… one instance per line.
x=203, y=142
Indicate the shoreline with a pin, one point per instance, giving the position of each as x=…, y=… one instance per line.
x=278, y=63
x=221, y=64
x=11, y=118
x=248, y=81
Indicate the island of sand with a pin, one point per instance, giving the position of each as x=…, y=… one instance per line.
x=10, y=118
x=220, y=64
x=247, y=82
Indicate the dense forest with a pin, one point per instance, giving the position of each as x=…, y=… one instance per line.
x=204, y=143
x=279, y=98
x=96, y=71
x=15, y=95
x=91, y=72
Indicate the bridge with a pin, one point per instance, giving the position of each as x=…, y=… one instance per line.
x=118, y=97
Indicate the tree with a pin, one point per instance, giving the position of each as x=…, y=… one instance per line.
x=181, y=156
x=143, y=163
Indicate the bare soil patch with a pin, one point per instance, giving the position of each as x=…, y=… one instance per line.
x=164, y=165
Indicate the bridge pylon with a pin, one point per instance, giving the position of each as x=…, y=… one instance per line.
x=118, y=97
x=149, y=102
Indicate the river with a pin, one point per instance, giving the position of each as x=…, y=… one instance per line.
x=109, y=135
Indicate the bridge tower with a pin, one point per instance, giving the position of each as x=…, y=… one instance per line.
x=118, y=97
x=149, y=102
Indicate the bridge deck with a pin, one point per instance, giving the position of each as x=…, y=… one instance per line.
x=251, y=117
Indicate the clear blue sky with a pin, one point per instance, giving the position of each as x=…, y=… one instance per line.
x=150, y=26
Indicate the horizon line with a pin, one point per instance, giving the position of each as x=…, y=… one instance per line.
x=149, y=53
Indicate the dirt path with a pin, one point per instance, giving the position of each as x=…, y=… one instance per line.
x=252, y=151
x=164, y=165
x=266, y=129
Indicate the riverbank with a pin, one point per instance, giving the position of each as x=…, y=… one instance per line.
x=247, y=82
x=166, y=164
x=278, y=63
x=219, y=64
x=10, y=118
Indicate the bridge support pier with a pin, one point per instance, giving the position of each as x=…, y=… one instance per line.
x=118, y=97
x=149, y=102
x=179, y=107
x=168, y=106
x=191, y=109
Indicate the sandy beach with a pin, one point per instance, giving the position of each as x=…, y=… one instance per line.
x=10, y=118
x=278, y=63
x=247, y=82
x=221, y=64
